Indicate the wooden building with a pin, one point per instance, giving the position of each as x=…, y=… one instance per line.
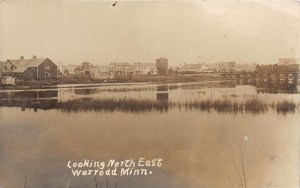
x=32, y=69
x=6, y=68
x=83, y=69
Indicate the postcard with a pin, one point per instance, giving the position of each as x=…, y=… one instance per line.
x=149, y=93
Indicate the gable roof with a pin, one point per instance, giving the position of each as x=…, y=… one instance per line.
x=84, y=66
x=3, y=63
x=22, y=64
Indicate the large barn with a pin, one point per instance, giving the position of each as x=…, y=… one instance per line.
x=32, y=69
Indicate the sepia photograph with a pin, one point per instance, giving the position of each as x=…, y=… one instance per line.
x=149, y=93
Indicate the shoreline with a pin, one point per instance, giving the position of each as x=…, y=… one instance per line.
x=91, y=85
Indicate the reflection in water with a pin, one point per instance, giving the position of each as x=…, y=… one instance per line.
x=86, y=91
x=198, y=138
x=161, y=104
x=163, y=97
x=192, y=96
x=44, y=99
x=29, y=94
x=277, y=88
x=89, y=91
x=162, y=88
x=45, y=104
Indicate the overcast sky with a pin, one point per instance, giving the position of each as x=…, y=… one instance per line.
x=72, y=31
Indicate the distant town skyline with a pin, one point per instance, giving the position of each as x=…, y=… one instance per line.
x=70, y=32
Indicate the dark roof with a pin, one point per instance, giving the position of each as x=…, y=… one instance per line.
x=84, y=66
x=22, y=64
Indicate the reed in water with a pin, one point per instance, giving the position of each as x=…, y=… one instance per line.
x=135, y=105
x=145, y=105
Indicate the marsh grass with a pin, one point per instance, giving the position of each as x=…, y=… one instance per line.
x=286, y=106
x=127, y=105
x=146, y=105
x=256, y=106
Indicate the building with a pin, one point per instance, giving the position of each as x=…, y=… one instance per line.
x=31, y=69
x=120, y=69
x=98, y=74
x=8, y=80
x=104, y=69
x=83, y=68
x=68, y=69
x=191, y=68
x=194, y=68
x=293, y=64
x=162, y=66
x=144, y=69
x=6, y=68
x=224, y=66
x=288, y=61
x=247, y=67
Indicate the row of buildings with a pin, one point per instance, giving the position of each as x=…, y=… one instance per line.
x=160, y=67
x=43, y=68
x=284, y=64
x=216, y=67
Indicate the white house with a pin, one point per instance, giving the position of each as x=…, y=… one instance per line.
x=144, y=68
x=8, y=80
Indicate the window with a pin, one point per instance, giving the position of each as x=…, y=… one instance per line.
x=11, y=68
x=47, y=67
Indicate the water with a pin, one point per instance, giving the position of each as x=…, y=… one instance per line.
x=198, y=148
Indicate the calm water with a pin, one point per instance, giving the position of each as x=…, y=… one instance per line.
x=198, y=148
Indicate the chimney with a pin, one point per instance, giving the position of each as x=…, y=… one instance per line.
x=21, y=57
x=34, y=56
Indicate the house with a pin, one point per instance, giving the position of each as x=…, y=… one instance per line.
x=121, y=68
x=246, y=67
x=8, y=80
x=5, y=68
x=83, y=68
x=222, y=67
x=68, y=69
x=194, y=68
x=31, y=69
x=205, y=69
x=226, y=66
x=96, y=73
x=104, y=69
x=191, y=68
x=293, y=64
x=144, y=68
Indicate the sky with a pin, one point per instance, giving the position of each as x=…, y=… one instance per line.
x=73, y=31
